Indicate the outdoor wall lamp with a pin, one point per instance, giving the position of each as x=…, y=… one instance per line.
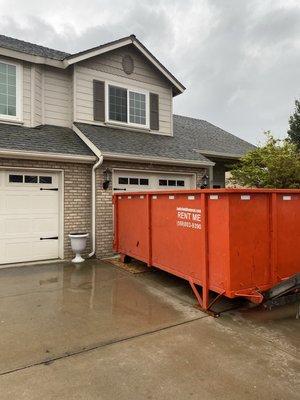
x=204, y=182
x=107, y=174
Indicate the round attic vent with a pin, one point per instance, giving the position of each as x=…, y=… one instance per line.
x=127, y=64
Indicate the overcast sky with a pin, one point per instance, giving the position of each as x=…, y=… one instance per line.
x=239, y=59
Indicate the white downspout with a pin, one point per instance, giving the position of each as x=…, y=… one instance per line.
x=95, y=166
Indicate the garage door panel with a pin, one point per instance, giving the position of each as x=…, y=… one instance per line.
x=2, y=198
x=16, y=202
x=47, y=226
x=26, y=215
x=45, y=249
x=17, y=227
x=46, y=203
x=13, y=248
x=22, y=250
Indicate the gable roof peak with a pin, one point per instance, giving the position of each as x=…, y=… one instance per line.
x=45, y=55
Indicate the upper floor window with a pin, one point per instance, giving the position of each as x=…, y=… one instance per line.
x=128, y=106
x=9, y=91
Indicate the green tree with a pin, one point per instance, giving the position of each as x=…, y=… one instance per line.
x=276, y=164
x=294, y=122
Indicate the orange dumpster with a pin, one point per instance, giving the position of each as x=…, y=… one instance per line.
x=234, y=242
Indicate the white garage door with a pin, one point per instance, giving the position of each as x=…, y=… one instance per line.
x=29, y=216
x=134, y=181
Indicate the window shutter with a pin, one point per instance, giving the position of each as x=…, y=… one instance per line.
x=154, y=112
x=99, y=101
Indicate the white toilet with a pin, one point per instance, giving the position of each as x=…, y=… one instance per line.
x=78, y=244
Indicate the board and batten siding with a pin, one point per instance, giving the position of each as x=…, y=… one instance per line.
x=108, y=67
x=57, y=99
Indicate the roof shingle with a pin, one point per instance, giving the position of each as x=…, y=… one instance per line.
x=191, y=138
x=203, y=135
x=44, y=138
x=118, y=141
x=31, y=48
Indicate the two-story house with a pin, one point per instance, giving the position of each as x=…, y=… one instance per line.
x=74, y=128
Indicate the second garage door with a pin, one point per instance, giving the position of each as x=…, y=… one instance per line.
x=133, y=181
x=29, y=216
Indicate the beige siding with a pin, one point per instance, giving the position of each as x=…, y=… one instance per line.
x=111, y=63
x=38, y=96
x=108, y=67
x=57, y=97
x=27, y=94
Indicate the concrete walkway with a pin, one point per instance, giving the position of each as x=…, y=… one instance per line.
x=101, y=333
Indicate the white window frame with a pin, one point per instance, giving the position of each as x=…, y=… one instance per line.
x=129, y=89
x=19, y=93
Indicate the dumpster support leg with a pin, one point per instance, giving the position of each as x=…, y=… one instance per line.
x=196, y=293
x=124, y=258
x=203, y=300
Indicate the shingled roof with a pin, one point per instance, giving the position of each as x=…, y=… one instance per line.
x=67, y=59
x=44, y=138
x=192, y=142
x=142, y=144
x=207, y=138
x=31, y=48
x=192, y=138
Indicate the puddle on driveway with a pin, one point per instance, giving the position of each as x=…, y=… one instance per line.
x=51, y=310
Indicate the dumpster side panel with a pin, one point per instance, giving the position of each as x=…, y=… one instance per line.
x=176, y=234
x=132, y=226
x=288, y=234
x=234, y=242
x=250, y=240
x=218, y=241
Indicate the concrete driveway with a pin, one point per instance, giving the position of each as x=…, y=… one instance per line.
x=97, y=332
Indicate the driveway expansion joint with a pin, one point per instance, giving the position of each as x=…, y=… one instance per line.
x=101, y=345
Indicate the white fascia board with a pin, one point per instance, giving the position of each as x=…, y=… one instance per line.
x=31, y=58
x=87, y=141
x=156, y=160
x=105, y=49
x=218, y=154
x=75, y=59
x=180, y=87
x=36, y=155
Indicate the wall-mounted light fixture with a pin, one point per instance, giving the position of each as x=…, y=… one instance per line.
x=204, y=181
x=107, y=174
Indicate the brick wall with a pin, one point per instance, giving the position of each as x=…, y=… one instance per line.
x=77, y=195
x=104, y=208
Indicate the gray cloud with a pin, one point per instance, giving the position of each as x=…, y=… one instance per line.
x=238, y=59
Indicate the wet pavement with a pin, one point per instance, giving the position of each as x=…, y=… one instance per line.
x=49, y=311
x=98, y=332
